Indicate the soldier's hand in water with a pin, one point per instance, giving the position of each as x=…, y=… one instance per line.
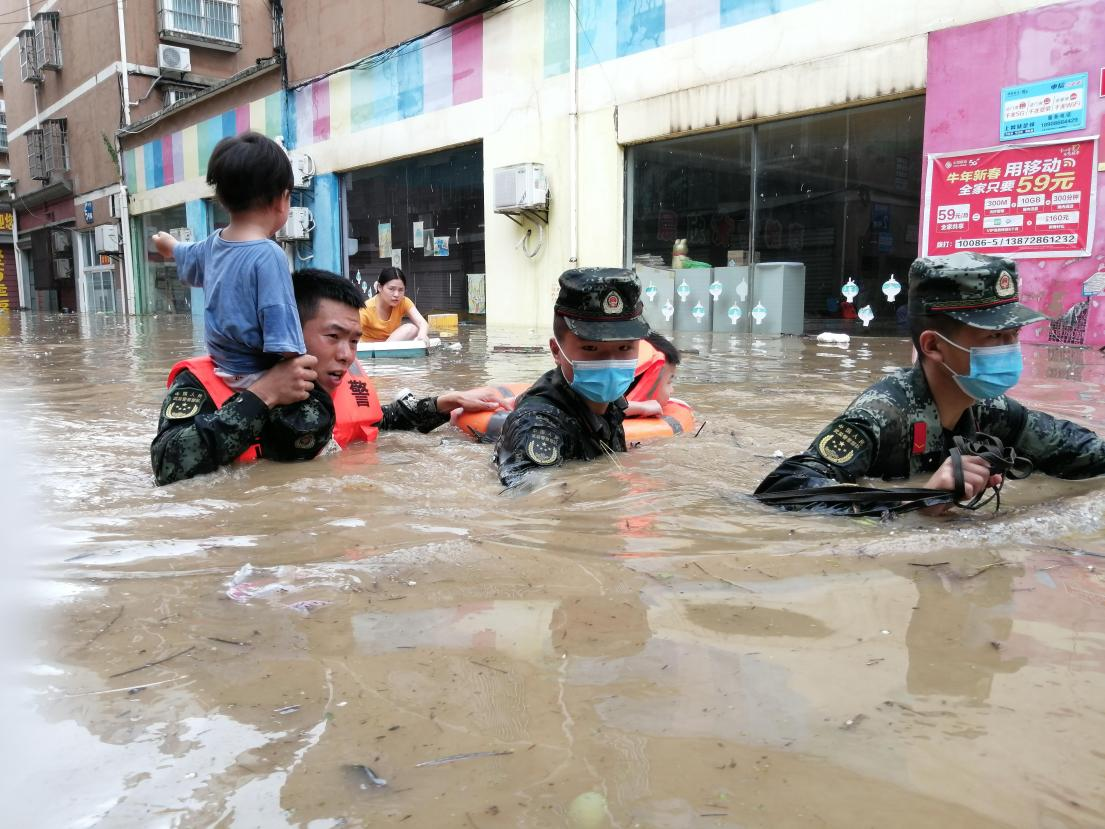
x=473, y=400
x=976, y=478
x=289, y=381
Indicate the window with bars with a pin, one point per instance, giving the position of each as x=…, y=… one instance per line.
x=35, y=159
x=28, y=61
x=55, y=145
x=205, y=22
x=48, y=149
x=3, y=128
x=47, y=41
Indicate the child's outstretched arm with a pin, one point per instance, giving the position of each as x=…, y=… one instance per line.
x=165, y=243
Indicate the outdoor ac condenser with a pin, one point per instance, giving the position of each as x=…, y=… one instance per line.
x=107, y=239
x=298, y=227
x=173, y=58
x=521, y=187
x=303, y=170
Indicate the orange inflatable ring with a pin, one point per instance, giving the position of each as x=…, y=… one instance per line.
x=675, y=419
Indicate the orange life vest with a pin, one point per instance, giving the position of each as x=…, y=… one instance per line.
x=648, y=374
x=357, y=408
x=675, y=419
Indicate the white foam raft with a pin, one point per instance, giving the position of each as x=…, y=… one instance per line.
x=398, y=349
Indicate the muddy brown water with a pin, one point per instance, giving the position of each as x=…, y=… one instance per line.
x=639, y=629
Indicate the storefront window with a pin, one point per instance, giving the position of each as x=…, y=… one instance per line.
x=694, y=188
x=425, y=215
x=837, y=193
x=165, y=293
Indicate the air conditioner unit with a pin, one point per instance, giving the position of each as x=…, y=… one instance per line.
x=107, y=238
x=173, y=58
x=298, y=227
x=182, y=234
x=303, y=169
x=521, y=187
x=63, y=269
x=176, y=94
x=59, y=240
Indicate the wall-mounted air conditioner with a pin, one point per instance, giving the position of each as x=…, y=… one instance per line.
x=59, y=240
x=173, y=58
x=520, y=188
x=298, y=227
x=303, y=169
x=63, y=269
x=107, y=238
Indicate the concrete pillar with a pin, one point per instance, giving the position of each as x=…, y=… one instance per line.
x=326, y=237
x=198, y=218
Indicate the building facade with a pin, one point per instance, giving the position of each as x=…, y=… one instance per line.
x=78, y=71
x=779, y=149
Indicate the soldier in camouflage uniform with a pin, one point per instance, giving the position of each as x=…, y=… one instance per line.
x=196, y=436
x=575, y=411
x=965, y=320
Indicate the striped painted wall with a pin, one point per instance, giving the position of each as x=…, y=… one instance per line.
x=438, y=71
x=183, y=155
x=610, y=29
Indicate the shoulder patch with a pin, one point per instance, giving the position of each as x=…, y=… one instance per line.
x=183, y=404
x=840, y=444
x=542, y=449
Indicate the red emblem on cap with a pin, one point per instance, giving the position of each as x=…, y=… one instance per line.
x=613, y=303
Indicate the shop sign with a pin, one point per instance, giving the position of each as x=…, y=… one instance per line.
x=1044, y=107
x=6, y=223
x=1025, y=201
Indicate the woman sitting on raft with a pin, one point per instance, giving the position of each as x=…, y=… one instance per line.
x=383, y=313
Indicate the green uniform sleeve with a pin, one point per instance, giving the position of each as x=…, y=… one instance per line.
x=194, y=438
x=409, y=414
x=532, y=438
x=845, y=451
x=1061, y=448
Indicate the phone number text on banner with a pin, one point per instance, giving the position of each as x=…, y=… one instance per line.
x=1024, y=200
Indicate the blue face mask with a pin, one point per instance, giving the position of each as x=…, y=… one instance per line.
x=994, y=369
x=600, y=381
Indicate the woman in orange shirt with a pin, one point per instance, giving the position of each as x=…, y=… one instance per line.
x=382, y=316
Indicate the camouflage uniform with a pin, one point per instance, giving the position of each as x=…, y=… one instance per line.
x=551, y=422
x=194, y=437
x=893, y=430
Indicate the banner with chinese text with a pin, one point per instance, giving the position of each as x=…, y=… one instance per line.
x=1023, y=201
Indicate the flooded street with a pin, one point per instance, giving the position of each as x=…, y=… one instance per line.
x=640, y=629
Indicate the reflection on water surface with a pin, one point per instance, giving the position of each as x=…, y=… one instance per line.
x=642, y=630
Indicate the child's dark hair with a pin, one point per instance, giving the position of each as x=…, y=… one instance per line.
x=389, y=273
x=665, y=347
x=312, y=285
x=249, y=171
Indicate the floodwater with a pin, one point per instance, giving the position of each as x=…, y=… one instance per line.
x=639, y=629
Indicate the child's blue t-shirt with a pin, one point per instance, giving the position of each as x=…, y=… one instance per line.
x=250, y=316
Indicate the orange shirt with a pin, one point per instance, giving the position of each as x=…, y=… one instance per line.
x=374, y=329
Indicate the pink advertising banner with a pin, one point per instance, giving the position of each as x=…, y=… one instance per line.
x=1025, y=200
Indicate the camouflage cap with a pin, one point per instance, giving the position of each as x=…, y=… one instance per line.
x=981, y=291
x=602, y=304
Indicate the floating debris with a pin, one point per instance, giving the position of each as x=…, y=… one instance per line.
x=453, y=758
x=287, y=709
x=367, y=773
